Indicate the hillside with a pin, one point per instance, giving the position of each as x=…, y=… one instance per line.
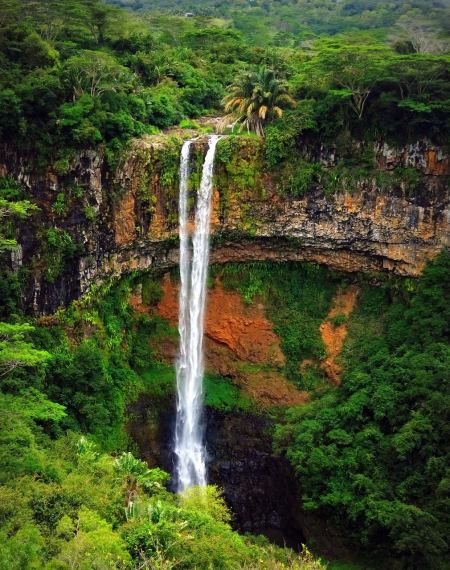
x=287, y=23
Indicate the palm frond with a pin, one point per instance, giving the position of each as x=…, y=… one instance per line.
x=255, y=97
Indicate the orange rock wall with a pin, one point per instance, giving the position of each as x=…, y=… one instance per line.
x=244, y=330
x=333, y=335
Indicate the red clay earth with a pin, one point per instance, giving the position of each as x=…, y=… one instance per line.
x=334, y=336
x=240, y=344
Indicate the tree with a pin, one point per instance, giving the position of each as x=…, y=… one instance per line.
x=98, y=21
x=96, y=73
x=420, y=76
x=347, y=70
x=135, y=475
x=93, y=545
x=375, y=453
x=15, y=351
x=255, y=98
x=37, y=52
x=422, y=33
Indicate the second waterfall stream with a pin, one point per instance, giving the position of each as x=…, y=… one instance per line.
x=189, y=435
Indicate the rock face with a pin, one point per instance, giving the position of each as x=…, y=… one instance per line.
x=125, y=219
x=259, y=487
x=243, y=330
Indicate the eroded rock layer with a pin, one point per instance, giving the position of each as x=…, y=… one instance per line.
x=125, y=219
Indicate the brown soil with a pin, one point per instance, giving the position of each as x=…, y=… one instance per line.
x=236, y=335
x=270, y=389
x=333, y=336
x=244, y=330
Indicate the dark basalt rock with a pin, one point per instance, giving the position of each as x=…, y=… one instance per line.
x=259, y=487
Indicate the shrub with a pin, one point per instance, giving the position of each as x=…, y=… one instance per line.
x=338, y=320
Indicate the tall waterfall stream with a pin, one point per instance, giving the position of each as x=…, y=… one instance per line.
x=189, y=437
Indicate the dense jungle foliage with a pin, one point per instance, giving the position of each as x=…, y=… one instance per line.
x=79, y=74
x=284, y=21
x=67, y=503
x=372, y=456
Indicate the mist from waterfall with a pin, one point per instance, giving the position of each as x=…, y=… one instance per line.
x=189, y=437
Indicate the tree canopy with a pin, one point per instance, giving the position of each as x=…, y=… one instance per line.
x=374, y=455
x=82, y=74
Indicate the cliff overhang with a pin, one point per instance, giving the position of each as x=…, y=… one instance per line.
x=125, y=219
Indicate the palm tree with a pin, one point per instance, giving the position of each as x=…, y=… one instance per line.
x=135, y=475
x=255, y=98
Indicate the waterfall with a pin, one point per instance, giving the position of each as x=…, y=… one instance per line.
x=189, y=444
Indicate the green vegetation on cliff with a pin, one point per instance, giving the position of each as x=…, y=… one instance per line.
x=373, y=456
x=297, y=298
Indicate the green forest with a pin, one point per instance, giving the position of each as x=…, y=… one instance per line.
x=370, y=456
x=79, y=74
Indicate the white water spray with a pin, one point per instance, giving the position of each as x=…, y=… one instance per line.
x=189, y=444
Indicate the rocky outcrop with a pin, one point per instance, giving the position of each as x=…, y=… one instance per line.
x=259, y=487
x=125, y=219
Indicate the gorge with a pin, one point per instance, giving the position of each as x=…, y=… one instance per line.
x=224, y=285
x=382, y=225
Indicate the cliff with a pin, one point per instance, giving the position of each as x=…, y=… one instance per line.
x=390, y=215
